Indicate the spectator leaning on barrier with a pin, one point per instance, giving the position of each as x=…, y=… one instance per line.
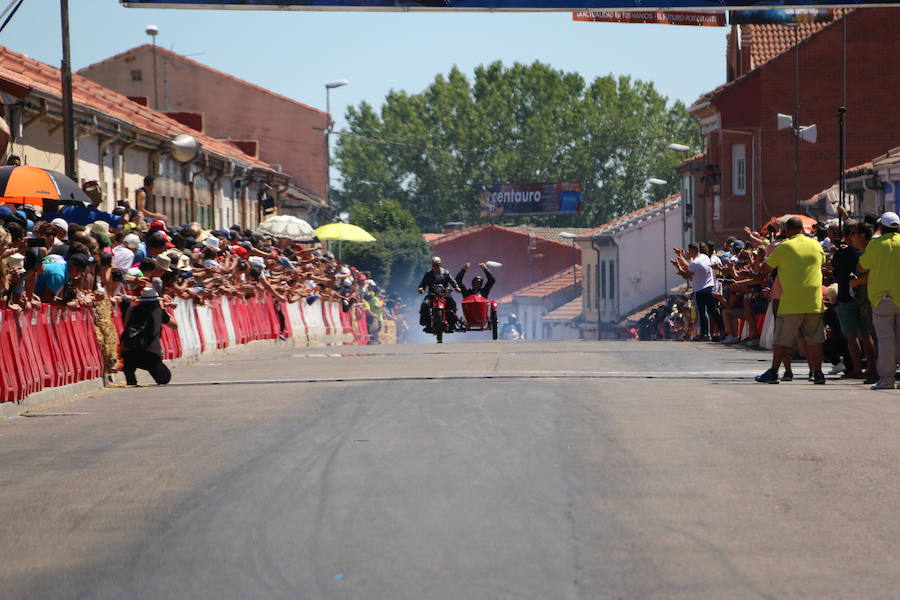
x=697, y=268
x=799, y=261
x=882, y=262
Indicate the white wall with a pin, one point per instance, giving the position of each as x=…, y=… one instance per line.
x=640, y=264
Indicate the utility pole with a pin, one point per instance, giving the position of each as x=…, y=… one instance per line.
x=67, y=110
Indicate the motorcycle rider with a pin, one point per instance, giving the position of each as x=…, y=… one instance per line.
x=478, y=285
x=437, y=274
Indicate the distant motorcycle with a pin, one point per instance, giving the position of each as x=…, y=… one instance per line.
x=511, y=331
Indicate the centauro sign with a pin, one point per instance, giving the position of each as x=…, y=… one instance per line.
x=493, y=5
x=520, y=199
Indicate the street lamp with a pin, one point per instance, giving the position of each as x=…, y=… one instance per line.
x=328, y=128
x=660, y=182
x=153, y=31
x=571, y=236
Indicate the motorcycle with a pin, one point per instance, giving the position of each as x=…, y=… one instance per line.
x=439, y=322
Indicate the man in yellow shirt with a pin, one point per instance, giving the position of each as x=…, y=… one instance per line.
x=799, y=262
x=882, y=260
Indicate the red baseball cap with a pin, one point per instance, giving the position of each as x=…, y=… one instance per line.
x=158, y=226
x=240, y=251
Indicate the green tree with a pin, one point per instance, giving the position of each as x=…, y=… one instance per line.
x=398, y=256
x=518, y=124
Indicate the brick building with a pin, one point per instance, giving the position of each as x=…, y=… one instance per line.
x=268, y=126
x=528, y=254
x=747, y=174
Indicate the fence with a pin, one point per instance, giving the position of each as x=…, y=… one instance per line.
x=53, y=346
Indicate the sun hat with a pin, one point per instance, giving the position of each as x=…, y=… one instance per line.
x=212, y=242
x=15, y=262
x=149, y=295
x=163, y=262
x=99, y=227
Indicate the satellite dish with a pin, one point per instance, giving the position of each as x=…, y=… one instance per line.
x=809, y=134
x=184, y=147
x=785, y=121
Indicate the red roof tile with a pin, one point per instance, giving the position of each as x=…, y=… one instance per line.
x=550, y=234
x=32, y=74
x=551, y=285
x=627, y=216
x=566, y=312
x=767, y=42
x=191, y=61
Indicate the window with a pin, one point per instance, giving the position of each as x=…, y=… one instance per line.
x=603, y=279
x=612, y=279
x=738, y=169
x=137, y=75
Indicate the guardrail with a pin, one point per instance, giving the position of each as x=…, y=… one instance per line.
x=53, y=346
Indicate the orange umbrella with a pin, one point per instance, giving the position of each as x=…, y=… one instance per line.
x=31, y=185
x=808, y=223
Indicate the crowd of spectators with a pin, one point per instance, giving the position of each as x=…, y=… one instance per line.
x=81, y=256
x=833, y=289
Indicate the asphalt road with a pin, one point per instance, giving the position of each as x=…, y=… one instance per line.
x=465, y=471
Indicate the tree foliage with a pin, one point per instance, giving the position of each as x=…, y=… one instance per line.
x=518, y=124
x=398, y=256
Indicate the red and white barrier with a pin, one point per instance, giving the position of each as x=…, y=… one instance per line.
x=53, y=346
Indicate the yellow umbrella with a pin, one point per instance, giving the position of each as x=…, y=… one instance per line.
x=343, y=232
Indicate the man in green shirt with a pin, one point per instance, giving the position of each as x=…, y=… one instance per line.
x=799, y=262
x=882, y=260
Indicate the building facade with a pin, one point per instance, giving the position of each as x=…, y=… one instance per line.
x=120, y=141
x=275, y=129
x=752, y=170
x=626, y=264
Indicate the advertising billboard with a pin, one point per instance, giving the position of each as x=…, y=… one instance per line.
x=501, y=5
x=656, y=17
x=521, y=199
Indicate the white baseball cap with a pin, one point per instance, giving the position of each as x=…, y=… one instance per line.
x=889, y=220
x=131, y=241
x=211, y=242
x=61, y=223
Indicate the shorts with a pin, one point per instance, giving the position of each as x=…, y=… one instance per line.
x=809, y=325
x=851, y=318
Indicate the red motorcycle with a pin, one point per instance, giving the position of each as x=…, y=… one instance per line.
x=439, y=322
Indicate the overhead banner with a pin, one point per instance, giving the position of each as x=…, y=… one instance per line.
x=658, y=17
x=520, y=199
x=777, y=16
x=500, y=5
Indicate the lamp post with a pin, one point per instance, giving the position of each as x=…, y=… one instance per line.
x=153, y=31
x=328, y=128
x=660, y=182
x=68, y=115
x=571, y=236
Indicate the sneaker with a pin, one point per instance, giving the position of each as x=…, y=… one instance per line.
x=884, y=384
x=729, y=339
x=838, y=368
x=871, y=379
x=818, y=377
x=751, y=343
x=788, y=376
x=701, y=338
x=769, y=376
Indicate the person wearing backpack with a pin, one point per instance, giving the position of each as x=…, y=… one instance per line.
x=141, y=348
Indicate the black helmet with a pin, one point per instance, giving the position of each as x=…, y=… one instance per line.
x=478, y=279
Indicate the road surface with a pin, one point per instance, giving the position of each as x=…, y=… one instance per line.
x=553, y=470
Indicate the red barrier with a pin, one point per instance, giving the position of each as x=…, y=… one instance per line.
x=219, y=324
x=326, y=318
x=362, y=327
x=347, y=325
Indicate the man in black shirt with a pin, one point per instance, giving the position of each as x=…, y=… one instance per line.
x=141, y=347
x=437, y=275
x=478, y=285
x=849, y=311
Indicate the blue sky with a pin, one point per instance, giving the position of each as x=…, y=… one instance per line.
x=295, y=53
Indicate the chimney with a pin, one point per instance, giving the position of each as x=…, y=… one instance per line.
x=248, y=147
x=453, y=226
x=193, y=120
x=142, y=100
